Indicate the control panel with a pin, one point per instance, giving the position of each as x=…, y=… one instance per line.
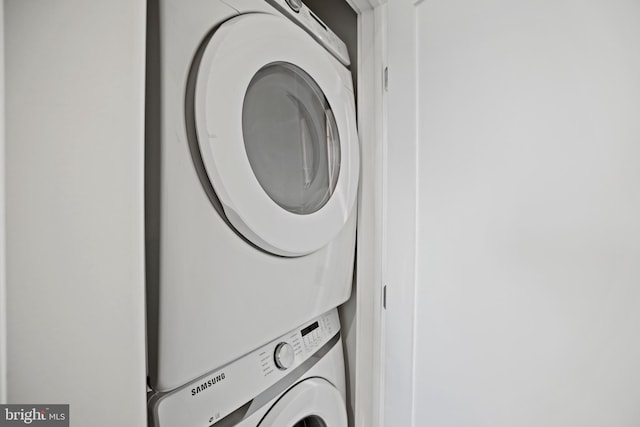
x=212, y=397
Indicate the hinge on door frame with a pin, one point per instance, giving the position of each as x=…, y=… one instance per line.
x=384, y=297
x=385, y=78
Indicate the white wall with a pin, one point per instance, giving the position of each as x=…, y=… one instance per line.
x=74, y=170
x=528, y=148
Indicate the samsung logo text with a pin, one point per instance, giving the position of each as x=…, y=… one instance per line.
x=207, y=384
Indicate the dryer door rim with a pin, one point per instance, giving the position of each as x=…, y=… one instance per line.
x=239, y=49
x=314, y=398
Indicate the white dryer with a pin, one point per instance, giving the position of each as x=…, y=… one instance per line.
x=252, y=166
x=297, y=380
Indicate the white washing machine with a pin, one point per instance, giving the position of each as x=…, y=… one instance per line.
x=297, y=380
x=252, y=165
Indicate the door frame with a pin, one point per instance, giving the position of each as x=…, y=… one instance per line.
x=386, y=263
x=368, y=395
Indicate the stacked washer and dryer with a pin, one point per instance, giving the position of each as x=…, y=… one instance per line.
x=252, y=166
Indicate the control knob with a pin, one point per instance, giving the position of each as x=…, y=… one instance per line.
x=283, y=355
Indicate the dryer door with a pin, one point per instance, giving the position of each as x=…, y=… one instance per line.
x=311, y=403
x=275, y=126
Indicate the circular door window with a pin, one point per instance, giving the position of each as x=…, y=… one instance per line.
x=312, y=421
x=291, y=138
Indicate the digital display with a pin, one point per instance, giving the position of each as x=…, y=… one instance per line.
x=309, y=328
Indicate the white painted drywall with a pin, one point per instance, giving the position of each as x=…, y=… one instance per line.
x=74, y=175
x=528, y=146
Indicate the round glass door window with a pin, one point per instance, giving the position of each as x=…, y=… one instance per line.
x=312, y=421
x=291, y=138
